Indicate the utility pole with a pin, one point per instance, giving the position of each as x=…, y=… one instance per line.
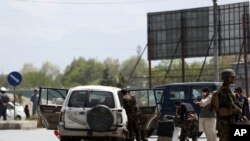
x=245, y=44
x=216, y=68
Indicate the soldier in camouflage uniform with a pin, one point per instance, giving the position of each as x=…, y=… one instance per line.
x=225, y=104
x=133, y=114
x=187, y=119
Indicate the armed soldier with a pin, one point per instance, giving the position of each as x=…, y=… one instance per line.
x=133, y=114
x=187, y=119
x=225, y=104
x=243, y=104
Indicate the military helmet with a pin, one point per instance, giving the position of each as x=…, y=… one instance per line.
x=226, y=73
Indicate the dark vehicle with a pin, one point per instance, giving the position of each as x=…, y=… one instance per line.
x=186, y=92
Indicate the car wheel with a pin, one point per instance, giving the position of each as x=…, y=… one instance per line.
x=100, y=118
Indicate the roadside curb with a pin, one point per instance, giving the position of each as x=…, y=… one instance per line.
x=5, y=125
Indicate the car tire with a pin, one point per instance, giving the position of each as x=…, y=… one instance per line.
x=100, y=118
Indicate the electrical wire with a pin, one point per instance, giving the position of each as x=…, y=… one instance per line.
x=93, y=3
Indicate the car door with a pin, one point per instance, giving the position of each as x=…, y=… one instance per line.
x=50, y=104
x=150, y=112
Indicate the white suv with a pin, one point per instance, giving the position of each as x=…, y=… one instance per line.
x=92, y=112
x=88, y=112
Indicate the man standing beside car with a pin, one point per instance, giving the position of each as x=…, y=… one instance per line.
x=34, y=99
x=4, y=100
x=133, y=114
x=207, y=117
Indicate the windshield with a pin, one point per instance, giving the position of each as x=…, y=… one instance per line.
x=91, y=99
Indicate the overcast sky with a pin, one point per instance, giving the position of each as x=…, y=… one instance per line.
x=37, y=31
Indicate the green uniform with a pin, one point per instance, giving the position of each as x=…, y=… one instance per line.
x=133, y=114
x=225, y=104
x=187, y=119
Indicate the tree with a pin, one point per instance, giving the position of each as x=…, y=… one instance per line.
x=83, y=72
x=135, y=72
x=160, y=72
x=50, y=70
x=33, y=77
x=28, y=68
x=3, y=80
x=111, y=72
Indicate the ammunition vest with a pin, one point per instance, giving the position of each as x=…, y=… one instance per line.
x=224, y=103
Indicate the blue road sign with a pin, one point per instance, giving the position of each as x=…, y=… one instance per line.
x=14, y=78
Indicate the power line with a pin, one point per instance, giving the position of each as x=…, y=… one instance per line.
x=88, y=14
x=94, y=3
x=70, y=27
x=45, y=47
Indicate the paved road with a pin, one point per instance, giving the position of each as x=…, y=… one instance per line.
x=40, y=134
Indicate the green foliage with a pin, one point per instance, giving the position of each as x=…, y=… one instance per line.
x=3, y=80
x=111, y=73
x=48, y=76
x=83, y=72
x=129, y=73
x=135, y=75
x=35, y=79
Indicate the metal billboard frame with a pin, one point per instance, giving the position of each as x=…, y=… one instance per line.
x=188, y=33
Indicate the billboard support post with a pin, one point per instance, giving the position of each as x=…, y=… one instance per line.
x=216, y=68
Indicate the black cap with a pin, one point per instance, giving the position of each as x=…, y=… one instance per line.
x=178, y=103
x=238, y=89
x=124, y=91
x=205, y=90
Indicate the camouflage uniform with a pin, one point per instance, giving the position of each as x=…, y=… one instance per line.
x=133, y=114
x=244, y=105
x=188, y=121
x=225, y=104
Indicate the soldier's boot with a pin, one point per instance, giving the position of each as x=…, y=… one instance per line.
x=194, y=139
x=131, y=138
x=144, y=136
x=182, y=139
x=138, y=138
